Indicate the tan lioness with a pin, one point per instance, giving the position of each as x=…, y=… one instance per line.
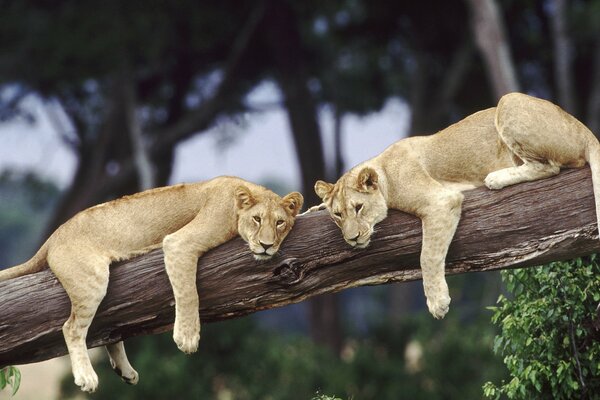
x=186, y=220
x=522, y=139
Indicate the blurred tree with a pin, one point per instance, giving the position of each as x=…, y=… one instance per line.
x=182, y=66
x=488, y=28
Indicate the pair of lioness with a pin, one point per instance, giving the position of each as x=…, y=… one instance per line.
x=522, y=139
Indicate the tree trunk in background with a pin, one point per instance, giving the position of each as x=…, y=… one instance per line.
x=141, y=155
x=285, y=45
x=490, y=36
x=593, y=111
x=563, y=56
x=112, y=143
x=94, y=153
x=417, y=98
x=338, y=132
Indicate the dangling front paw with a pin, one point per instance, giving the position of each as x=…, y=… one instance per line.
x=494, y=181
x=438, y=305
x=86, y=378
x=186, y=335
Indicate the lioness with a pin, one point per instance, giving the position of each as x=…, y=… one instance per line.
x=187, y=220
x=522, y=139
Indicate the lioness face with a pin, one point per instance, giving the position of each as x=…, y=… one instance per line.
x=356, y=205
x=264, y=222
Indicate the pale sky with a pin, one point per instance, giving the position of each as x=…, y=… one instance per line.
x=262, y=147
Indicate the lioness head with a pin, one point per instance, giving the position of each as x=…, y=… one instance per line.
x=355, y=203
x=264, y=220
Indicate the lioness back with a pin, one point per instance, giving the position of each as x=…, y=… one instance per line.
x=135, y=224
x=466, y=151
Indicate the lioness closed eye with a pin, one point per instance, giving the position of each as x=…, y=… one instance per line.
x=522, y=139
x=186, y=220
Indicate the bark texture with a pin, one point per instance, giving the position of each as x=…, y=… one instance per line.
x=524, y=225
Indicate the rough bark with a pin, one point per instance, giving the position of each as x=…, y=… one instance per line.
x=527, y=224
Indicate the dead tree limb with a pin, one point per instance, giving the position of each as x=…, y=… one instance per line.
x=524, y=225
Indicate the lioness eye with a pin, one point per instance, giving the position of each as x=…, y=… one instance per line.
x=358, y=207
x=337, y=214
x=280, y=222
x=256, y=219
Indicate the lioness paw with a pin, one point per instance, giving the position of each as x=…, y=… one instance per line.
x=129, y=375
x=438, y=306
x=494, y=181
x=86, y=378
x=186, y=339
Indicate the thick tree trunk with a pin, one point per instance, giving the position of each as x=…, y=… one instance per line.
x=527, y=224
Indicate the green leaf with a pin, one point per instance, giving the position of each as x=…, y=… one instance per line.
x=17, y=380
x=3, y=372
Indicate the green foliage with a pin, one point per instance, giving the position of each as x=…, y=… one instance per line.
x=10, y=376
x=238, y=360
x=546, y=336
x=325, y=397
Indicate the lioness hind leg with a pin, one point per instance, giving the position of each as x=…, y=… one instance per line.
x=529, y=171
x=85, y=281
x=120, y=364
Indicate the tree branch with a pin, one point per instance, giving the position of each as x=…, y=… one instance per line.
x=527, y=224
x=200, y=118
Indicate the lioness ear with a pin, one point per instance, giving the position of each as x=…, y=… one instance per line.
x=243, y=198
x=367, y=180
x=322, y=189
x=293, y=203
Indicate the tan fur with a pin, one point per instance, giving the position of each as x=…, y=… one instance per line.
x=523, y=139
x=187, y=221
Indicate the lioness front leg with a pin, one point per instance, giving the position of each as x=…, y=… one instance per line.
x=529, y=171
x=182, y=250
x=439, y=225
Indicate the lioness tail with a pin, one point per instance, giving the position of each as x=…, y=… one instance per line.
x=35, y=264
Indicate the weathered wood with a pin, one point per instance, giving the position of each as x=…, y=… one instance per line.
x=523, y=225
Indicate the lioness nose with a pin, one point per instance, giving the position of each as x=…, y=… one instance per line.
x=355, y=238
x=266, y=246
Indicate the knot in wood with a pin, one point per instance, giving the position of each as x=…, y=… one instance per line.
x=289, y=271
